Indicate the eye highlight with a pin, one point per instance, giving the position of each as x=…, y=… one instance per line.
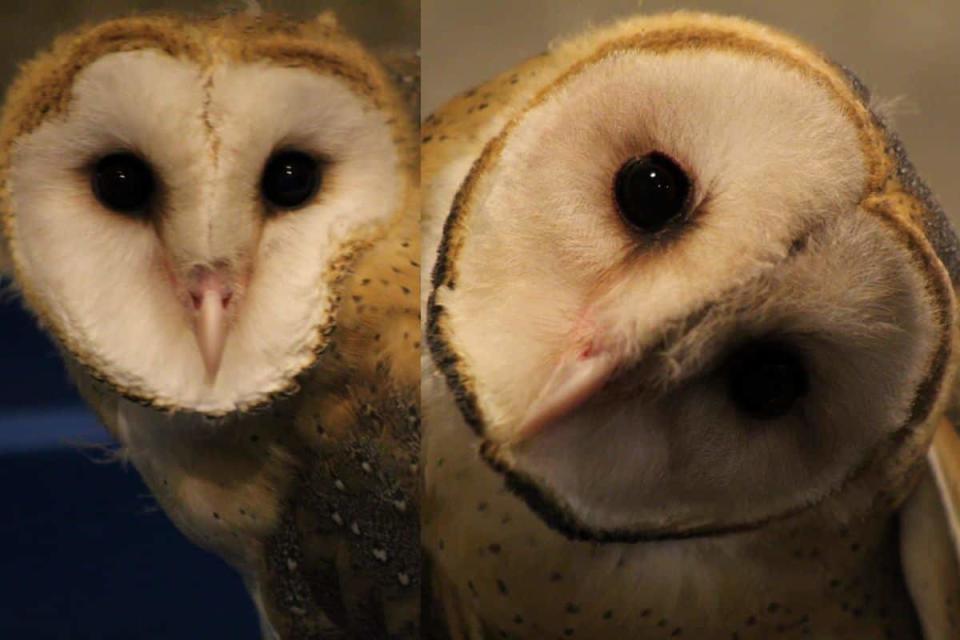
x=290, y=179
x=123, y=182
x=766, y=379
x=651, y=191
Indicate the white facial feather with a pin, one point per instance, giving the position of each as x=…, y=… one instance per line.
x=102, y=276
x=775, y=246
x=553, y=185
x=678, y=454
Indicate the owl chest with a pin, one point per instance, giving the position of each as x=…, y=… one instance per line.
x=516, y=578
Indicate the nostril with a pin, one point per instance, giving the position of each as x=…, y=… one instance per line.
x=205, y=285
x=198, y=295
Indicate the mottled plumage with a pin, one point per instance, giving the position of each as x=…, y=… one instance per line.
x=640, y=504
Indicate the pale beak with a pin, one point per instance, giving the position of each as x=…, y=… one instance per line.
x=210, y=327
x=211, y=296
x=575, y=379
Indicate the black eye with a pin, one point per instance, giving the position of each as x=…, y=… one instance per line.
x=123, y=182
x=290, y=179
x=651, y=191
x=766, y=379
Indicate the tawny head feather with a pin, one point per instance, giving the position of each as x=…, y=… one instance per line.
x=180, y=197
x=778, y=337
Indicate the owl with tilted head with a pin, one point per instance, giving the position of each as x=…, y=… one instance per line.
x=216, y=221
x=692, y=335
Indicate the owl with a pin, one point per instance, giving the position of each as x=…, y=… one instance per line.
x=691, y=349
x=216, y=219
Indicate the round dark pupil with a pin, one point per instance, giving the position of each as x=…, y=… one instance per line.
x=766, y=380
x=651, y=191
x=123, y=182
x=290, y=179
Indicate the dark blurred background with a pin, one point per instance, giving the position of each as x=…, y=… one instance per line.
x=84, y=552
x=906, y=49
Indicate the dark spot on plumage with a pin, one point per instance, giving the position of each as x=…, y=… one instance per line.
x=645, y=613
x=676, y=632
x=572, y=608
x=608, y=614
x=752, y=620
x=799, y=244
x=406, y=290
x=556, y=576
x=427, y=139
x=483, y=106
x=662, y=622
x=773, y=607
x=502, y=587
x=568, y=631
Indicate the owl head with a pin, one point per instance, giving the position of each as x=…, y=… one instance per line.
x=181, y=196
x=690, y=284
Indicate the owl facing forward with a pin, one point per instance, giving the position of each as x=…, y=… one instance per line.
x=216, y=220
x=692, y=339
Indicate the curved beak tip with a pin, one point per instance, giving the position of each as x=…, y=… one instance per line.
x=571, y=383
x=210, y=328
